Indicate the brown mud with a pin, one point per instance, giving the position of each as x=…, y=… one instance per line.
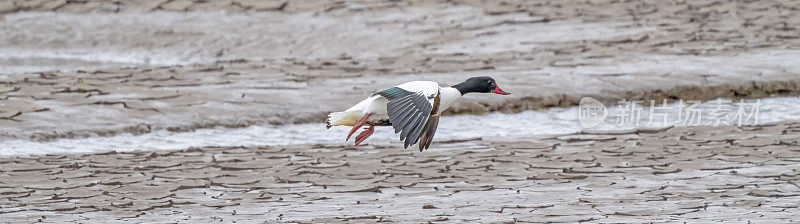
x=698, y=174
x=184, y=65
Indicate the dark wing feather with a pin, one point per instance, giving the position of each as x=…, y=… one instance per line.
x=431, y=125
x=428, y=132
x=408, y=113
x=402, y=112
x=413, y=134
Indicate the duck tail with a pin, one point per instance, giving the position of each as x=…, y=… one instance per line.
x=334, y=118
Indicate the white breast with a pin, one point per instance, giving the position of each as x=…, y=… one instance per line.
x=449, y=96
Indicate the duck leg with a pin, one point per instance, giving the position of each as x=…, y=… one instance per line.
x=358, y=125
x=364, y=134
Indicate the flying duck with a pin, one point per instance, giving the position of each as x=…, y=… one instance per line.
x=411, y=108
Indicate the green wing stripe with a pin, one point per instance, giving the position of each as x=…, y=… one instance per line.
x=394, y=93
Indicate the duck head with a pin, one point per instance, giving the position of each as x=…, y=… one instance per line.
x=479, y=84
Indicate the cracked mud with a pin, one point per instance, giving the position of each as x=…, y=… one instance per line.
x=711, y=174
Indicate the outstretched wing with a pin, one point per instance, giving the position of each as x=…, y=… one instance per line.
x=427, y=133
x=409, y=112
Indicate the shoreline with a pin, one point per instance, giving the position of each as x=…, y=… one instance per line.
x=528, y=124
x=54, y=108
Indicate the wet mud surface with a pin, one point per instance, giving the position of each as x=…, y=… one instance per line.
x=698, y=174
x=184, y=65
x=66, y=72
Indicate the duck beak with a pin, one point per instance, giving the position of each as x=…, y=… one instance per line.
x=497, y=90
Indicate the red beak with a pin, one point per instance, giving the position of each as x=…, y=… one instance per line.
x=497, y=90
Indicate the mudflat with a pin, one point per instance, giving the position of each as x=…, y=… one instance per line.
x=703, y=174
x=143, y=66
x=82, y=69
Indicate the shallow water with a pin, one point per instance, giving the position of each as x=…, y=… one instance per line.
x=528, y=124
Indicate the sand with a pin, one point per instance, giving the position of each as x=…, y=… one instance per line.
x=700, y=174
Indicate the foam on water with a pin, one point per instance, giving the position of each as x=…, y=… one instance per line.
x=528, y=124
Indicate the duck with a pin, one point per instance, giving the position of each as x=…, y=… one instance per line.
x=412, y=109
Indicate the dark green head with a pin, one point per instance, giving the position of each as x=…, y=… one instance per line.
x=480, y=84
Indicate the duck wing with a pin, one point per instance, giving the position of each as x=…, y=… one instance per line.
x=427, y=132
x=411, y=109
